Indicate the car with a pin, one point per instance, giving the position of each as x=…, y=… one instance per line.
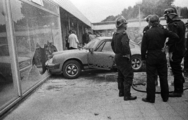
x=97, y=54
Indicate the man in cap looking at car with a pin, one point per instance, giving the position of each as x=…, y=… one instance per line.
x=148, y=26
x=120, y=46
x=154, y=56
x=176, y=50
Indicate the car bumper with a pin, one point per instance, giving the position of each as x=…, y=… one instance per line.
x=52, y=67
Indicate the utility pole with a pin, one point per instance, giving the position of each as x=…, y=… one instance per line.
x=139, y=18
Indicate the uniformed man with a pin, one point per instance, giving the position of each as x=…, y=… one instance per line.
x=154, y=56
x=120, y=46
x=144, y=31
x=186, y=53
x=177, y=50
x=148, y=26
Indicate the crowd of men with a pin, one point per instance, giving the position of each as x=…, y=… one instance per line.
x=156, y=41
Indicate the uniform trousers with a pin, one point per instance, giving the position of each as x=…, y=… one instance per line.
x=156, y=63
x=125, y=74
x=177, y=72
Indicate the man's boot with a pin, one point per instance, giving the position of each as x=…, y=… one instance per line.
x=127, y=94
x=126, y=98
x=178, y=91
x=121, y=93
x=175, y=94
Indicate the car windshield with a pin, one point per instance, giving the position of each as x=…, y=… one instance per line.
x=92, y=44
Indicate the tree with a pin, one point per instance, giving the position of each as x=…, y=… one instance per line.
x=109, y=18
x=184, y=12
x=148, y=7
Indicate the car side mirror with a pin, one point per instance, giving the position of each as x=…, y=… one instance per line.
x=91, y=50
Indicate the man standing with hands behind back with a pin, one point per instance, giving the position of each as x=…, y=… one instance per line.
x=120, y=46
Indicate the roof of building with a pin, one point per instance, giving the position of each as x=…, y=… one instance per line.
x=111, y=25
x=104, y=26
x=69, y=7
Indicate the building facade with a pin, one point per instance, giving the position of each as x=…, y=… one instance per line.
x=30, y=31
x=134, y=29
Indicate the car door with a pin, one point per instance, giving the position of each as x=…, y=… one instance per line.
x=102, y=57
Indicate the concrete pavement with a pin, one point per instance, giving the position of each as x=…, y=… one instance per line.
x=94, y=96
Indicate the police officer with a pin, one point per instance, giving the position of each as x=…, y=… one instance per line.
x=177, y=50
x=148, y=26
x=186, y=53
x=144, y=31
x=120, y=46
x=155, y=58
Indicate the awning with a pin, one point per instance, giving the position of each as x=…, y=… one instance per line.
x=69, y=7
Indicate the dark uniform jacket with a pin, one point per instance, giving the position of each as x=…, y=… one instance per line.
x=146, y=29
x=177, y=26
x=120, y=43
x=154, y=40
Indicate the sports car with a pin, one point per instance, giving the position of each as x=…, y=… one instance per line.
x=97, y=54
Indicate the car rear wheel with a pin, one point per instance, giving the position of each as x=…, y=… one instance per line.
x=71, y=69
x=136, y=63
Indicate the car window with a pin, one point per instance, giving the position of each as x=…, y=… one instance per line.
x=100, y=47
x=92, y=44
x=107, y=47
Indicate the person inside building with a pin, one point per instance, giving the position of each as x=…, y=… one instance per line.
x=121, y=48
x=177, y=50
x=85, y=37
x=154, y=57
x=73, y=40
x=66, y=41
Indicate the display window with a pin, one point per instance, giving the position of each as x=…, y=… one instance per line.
x=7, y=88
x=36, y=32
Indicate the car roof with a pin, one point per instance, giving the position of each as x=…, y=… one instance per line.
x=109, y=38
x=102, y=38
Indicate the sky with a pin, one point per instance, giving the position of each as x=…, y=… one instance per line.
x=98, y=10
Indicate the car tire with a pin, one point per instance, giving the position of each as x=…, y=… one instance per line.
x=71, y=69
x=136, y=63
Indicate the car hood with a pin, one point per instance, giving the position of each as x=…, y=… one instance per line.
x=135, y=50
x=70, y=51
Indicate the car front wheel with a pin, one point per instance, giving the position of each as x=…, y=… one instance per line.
x=71, y=69
x=136, y=63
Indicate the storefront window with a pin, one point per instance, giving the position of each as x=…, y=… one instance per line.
x=35, y=33
x=7, y=91
x=48, y=5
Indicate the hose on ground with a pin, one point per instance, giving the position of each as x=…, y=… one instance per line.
x=144, y=91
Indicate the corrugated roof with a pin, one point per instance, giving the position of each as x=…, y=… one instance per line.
x=68, y=6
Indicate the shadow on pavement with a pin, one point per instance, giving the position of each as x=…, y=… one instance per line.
x=92, y=75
